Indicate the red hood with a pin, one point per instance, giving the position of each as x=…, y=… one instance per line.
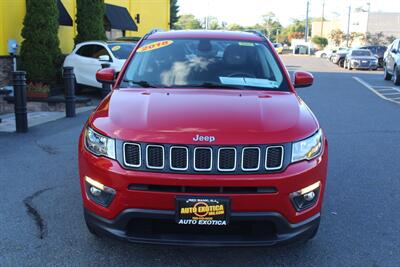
x=178, y=115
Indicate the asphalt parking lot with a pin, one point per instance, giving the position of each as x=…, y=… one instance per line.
x=41, y=220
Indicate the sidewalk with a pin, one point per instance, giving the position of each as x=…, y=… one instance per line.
x=7, y=123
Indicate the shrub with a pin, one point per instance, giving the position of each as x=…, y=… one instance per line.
x=90, y=20
x=40, y=52
x=320, y=41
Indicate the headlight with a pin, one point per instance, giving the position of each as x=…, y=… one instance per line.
x=308, y=148
x=98, y=144
x=355, y=61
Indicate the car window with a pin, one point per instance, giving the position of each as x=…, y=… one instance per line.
x=92, y=51
x=121, y=51
x=381, y=50
x=194, y=62
x=361, y=53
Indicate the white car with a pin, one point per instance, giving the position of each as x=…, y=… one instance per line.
x=87, y=58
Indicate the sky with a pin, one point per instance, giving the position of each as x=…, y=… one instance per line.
x=249, y=12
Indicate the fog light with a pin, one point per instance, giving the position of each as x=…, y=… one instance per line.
x=306, y=197
x=94, y=191
x=99, y=193
x=309, y=196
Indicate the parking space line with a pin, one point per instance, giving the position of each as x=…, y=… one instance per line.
x=385, y=94
x=388, y=89
x=376, y=92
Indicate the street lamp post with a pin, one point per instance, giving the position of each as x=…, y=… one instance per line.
x=323, y=15
x=348, y=28
x=306, y=28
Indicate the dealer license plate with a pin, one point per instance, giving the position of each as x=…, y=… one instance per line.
x=202, y=211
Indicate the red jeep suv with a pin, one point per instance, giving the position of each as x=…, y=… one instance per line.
x=203, y=141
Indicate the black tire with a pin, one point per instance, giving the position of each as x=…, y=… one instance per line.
x=396, y=76
x=341, y=63
x=386, y=75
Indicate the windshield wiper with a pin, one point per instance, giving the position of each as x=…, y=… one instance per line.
x=143, y=84
x=216, y=85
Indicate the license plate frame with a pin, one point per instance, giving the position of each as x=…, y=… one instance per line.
x=199, y=210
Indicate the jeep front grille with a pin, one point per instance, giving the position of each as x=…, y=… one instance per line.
x=203, y=159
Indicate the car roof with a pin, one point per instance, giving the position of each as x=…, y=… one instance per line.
x=206, y=34
x=104, y=42
x=360, y=49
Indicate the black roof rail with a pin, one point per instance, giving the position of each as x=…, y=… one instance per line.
x=256, y=32
x=151, y=32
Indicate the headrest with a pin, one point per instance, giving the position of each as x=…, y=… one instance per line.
x=235, y=54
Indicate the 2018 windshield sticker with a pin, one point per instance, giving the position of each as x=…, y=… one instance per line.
x=246, y=44
x=155, y=45
x=116, y=48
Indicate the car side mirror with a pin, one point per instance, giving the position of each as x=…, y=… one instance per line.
x=302, y=79
x=104, y=58
x=106, y=76
x=394, y=51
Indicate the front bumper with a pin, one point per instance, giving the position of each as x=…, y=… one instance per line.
x=149, y=210
x=158, y=227
x=364, y=66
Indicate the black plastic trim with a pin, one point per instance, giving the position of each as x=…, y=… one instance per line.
x=285, y=231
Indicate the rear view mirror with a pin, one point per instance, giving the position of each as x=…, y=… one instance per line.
x=394, y=51
x=105, y=75
x=104, y=58
x=303, y=79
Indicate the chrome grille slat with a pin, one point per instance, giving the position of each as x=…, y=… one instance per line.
x=206, y=159
x=200, y=157
x=225, y=159
x=274, y=159
x=155, y=157
x=175, y=160
x=247, y=163
x=134, y=158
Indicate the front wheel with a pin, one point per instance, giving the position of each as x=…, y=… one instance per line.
x=341, y=63
x=386, y=75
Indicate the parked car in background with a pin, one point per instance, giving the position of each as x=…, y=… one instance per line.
x=361, y=59
x=278, y=48
x=339, y=57
x=378, y=51
x=330, y=56
x=87, y=58
x=323, y=53
x=391, y=62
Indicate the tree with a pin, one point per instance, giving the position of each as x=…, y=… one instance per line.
x=90, y=20
x=353, y=36
x=234, y=27
x=40, y=52
x=188, y=21
x=295, y=35
x=375, y=38
x=271, y=25
x=390, y=39
x=337, y=36
x=174, y=10
x=320, y=41
x=213, y=23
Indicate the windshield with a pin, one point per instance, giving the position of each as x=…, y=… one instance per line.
x=204, y=63
x=121, y=51
x=361, y=53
